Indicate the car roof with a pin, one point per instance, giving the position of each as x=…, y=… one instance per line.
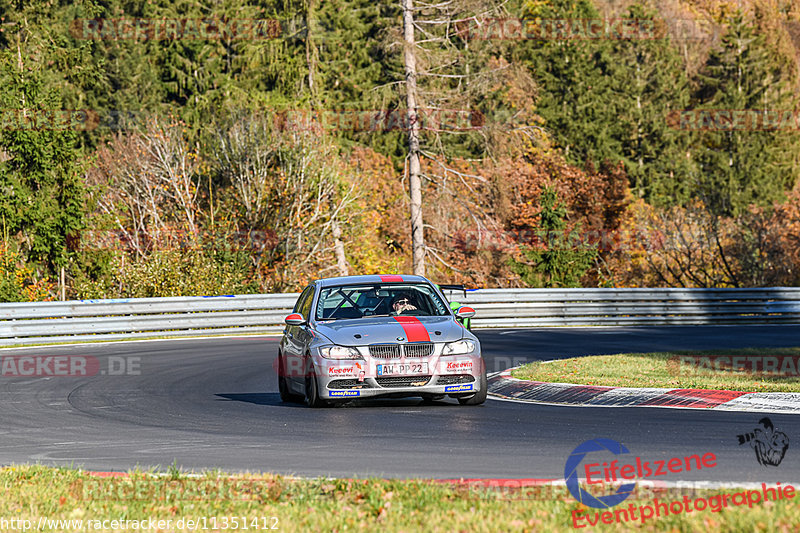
x=377, y=278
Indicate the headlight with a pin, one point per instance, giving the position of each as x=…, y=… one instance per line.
x=458, y=347
x=339, y=352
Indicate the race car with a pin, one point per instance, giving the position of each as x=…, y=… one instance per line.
x=358, y=337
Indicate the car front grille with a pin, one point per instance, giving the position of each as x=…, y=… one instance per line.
x=394, y=351
x=418, y=349
x=385, y=351
x=455, y=380
x=403, y=381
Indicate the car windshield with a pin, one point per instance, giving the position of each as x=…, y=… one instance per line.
x=379, y=299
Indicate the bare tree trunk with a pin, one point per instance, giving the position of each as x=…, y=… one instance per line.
x=310, y=46
x=414, y=182
x=338, y=249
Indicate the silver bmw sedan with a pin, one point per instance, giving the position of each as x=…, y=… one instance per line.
x=383, y=335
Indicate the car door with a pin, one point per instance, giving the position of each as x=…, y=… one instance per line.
x=296, y=340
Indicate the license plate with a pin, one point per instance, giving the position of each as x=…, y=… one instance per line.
x=402, y=370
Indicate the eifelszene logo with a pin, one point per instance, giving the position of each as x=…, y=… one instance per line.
x=571, y=474
x=769, y=444
x=614, y=471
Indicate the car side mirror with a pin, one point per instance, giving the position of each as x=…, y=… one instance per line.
x=465, y=312
x=295, y=319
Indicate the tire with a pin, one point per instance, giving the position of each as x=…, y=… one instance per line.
x=312, y=398
x=283, y=386
x=479, y=397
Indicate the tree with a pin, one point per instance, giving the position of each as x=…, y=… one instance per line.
x=43, y=199
x=414, y=182
x=739, y=167
x=291, y=185
x=576, y=99
x=649, y=85
x=560, y=257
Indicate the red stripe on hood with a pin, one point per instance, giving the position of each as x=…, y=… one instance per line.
x=391, y=279
x=413, y=328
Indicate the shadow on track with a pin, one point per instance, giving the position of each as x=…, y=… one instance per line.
x=274, y=399
x=258, y=398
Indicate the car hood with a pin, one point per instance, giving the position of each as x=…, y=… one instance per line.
x=381, y=330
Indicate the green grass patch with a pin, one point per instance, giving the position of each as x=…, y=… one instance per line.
x=266, y=501
x=707, y=370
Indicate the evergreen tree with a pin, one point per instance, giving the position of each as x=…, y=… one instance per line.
x=575, y=77
x=649, y=85
x=562, y=259
x=739, y=167
x=43, y=197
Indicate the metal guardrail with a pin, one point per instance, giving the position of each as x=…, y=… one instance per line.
x=621, y=307
x=99, y=320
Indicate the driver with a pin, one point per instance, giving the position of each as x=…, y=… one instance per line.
x=401, y=303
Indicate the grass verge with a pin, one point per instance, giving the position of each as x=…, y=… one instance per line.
x=262, y=502
x=710, y=369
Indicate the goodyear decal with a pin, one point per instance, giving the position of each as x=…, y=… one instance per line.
x=345, y=393
x=458, y=388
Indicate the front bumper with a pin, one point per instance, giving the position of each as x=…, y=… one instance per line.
x=453, y=375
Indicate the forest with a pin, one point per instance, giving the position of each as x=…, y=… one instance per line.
x=165, y=148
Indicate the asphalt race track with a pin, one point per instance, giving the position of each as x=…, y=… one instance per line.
x=213, y=403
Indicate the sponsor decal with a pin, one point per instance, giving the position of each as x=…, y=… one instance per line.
x=458, y=388
x=456, y=366
x=345, y=393
x=769, y=444
x=413, y=328
x=344, y=370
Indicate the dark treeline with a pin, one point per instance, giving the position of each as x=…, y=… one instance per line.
x=154, y=148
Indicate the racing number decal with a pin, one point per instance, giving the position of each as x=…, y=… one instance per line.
x=413, y=328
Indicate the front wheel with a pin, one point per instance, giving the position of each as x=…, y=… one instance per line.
x=479, y=397
x=312, y=398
